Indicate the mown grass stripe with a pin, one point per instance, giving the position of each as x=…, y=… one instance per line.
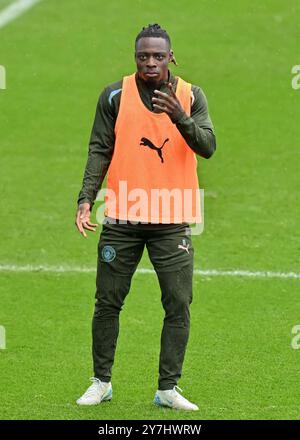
x=14, y=10
x=204, y=273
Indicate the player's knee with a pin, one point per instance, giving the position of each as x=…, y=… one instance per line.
x=178, y=312
x=106, y=310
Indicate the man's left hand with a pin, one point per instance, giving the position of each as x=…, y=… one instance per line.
x=169, y=104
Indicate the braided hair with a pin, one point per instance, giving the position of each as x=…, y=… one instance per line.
x=153, y=30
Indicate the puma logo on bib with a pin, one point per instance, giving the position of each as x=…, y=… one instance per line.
x=147, y=143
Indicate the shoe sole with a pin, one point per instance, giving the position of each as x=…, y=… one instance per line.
x=160, y=405
x=94, y=404
x=105, y=399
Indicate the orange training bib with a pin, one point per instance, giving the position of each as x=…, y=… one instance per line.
x=153, y=173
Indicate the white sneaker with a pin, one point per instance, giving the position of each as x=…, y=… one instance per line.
x=173, y=399
x=96, y=393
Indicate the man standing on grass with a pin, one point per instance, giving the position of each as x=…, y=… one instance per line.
x=146, y=132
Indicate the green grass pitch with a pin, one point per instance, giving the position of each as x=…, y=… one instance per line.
x=239, y=364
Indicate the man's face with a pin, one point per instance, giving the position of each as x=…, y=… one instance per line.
x=152, y=56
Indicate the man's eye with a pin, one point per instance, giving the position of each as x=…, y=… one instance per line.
x=142, y=57
x=159, y=57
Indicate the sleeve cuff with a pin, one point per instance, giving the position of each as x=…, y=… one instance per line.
x=80, y=201
x=182, y=118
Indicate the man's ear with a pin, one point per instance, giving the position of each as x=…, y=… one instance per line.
x=172, y=58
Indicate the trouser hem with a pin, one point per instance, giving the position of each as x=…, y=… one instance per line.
x=167, y=386
x=103, y=378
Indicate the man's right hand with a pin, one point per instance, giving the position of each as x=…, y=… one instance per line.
x=83, y=219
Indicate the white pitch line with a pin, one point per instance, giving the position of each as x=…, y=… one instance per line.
x=203, y=273
x=14, y=10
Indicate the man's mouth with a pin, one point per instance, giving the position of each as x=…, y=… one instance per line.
x=151, y=74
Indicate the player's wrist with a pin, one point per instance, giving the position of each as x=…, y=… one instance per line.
x=84, y=202
x=179, y=117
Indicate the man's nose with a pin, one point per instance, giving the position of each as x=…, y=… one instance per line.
x=151, y=62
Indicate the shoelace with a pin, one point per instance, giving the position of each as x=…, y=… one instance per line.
x=96, y=382
x=183, y=399
x=180, y=395
x=95, y=379
x=177, y=388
